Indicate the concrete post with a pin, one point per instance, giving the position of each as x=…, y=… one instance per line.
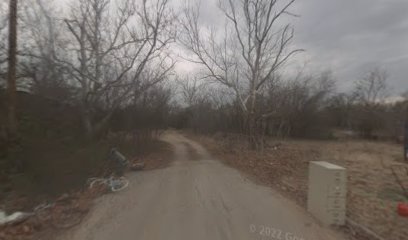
x=327, y=192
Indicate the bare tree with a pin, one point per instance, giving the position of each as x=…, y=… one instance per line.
x=191, y=90
x=111, y=51
x=253, y=47
x=341, y=110
x=12, y=66
x=370, y=93
x=373, y=87
x=297, y=104
x=39, y=56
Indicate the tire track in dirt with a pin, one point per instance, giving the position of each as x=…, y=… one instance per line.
x=198, y=198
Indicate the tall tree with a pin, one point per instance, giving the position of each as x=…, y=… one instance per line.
x=12, y=62
x=254, y=46
x=372, y=89
x=370, y=93
x=37, y=57
x=112, y=45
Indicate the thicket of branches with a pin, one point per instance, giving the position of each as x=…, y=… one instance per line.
x=112, y=62
x=303, y=107
x=100, y=56
x=245, y=58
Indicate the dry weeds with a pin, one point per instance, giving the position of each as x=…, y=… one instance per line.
x=373, y=193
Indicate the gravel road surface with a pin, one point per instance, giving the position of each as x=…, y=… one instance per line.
x=196, y=198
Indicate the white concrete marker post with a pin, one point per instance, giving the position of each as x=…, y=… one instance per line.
x=327, y=193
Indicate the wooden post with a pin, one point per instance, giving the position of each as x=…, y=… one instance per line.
x=12, y=65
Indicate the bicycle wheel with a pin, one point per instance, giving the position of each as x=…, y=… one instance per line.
x=118, y=184
x=97, y=182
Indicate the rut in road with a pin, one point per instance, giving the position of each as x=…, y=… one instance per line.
x=196, y=198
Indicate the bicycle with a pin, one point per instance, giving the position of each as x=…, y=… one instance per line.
x=115, y=184
x=65, y=213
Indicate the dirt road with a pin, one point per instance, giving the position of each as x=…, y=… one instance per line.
x=196, y=198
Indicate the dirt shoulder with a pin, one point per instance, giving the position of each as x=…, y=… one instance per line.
x=154, y=153
x=373, y=194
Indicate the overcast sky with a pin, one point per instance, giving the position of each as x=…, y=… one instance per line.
x=352, y=36
x=348, y=37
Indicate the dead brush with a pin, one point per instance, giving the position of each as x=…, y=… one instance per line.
x=400, y=175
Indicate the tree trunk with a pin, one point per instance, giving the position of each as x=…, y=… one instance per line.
x=101, y=126
x=94, y=129
x=253, y=130
x=11, y=84
x=87, y=122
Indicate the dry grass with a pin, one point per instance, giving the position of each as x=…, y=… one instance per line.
x=373, y=194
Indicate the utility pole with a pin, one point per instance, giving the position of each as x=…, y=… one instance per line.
x=11, y=82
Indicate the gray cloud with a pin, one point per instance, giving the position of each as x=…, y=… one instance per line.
x=350, y=37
